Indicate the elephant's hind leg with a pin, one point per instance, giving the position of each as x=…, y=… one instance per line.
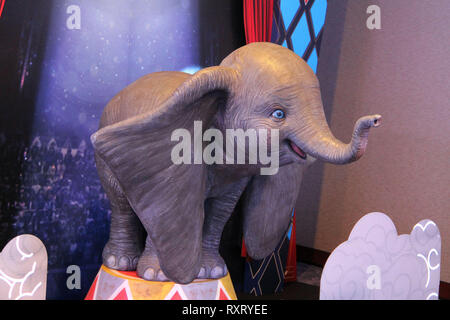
x=212, y=264
x=217, y=212
x=126, y=238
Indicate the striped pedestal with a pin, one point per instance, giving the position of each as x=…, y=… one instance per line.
x=111, y=284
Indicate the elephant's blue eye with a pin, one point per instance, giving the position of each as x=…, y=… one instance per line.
x=278, y=114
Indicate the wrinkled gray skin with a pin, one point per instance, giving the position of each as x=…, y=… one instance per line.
x=183, y=208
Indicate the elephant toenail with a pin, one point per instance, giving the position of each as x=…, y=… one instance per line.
x=161, y=276
x=111, y=261
x=124, y=262
x=202, y=272
x=217, y=272
x=149, y=274
x=135, y=262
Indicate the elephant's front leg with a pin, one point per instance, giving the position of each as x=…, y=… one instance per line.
x=217, y=212
x=148, y=267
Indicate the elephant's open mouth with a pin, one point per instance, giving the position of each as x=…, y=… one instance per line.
x=296, y=149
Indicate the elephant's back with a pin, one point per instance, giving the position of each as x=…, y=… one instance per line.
x=144, y=95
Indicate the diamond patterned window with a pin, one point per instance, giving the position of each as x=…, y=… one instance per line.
x=298, y=25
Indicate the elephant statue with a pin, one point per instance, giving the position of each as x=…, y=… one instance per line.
x=167, y=218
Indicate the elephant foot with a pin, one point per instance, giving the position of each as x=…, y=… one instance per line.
x=148, y=268
x=212, y=266
x=120, y=258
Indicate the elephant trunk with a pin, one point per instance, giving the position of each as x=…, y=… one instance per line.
x=322, y=144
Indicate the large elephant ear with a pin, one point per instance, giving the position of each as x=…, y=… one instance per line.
x=167, y=197
x=267, y=208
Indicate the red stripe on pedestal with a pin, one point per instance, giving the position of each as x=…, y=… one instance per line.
x=122, y=295
x=222, y=295
x=90, y=294
x=176, y=296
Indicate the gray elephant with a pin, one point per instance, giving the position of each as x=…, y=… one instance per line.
x=182, y=208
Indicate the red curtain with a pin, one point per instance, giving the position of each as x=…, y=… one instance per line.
x=290, y=275
x=258, y=16
x=2, y=4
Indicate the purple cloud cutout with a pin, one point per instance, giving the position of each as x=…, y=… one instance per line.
x=376, y=263
x=23, y=269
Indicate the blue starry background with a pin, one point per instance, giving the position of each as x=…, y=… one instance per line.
x=55, y=82
x=117, y=43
